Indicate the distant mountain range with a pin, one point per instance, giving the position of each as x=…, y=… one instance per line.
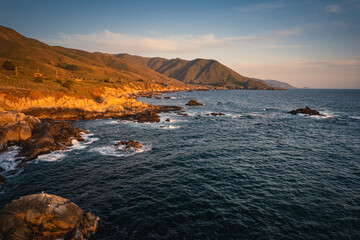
x=275, y=83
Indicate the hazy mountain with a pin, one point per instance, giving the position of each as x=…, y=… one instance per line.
x=276, y=83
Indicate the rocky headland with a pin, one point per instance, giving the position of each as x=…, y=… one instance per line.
x=43, y=217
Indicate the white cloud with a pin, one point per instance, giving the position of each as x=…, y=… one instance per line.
x=332, y=9
x=111, y=42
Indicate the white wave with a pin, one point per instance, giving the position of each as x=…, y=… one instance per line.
x=120, y=151
x=7, y=159
x=53, y=156
x=112, y=122
x=174, y=97
x=76, y=145
x=169, y=127
x=355, y=117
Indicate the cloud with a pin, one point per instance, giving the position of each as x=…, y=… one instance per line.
x=332, y=9
x=286, y=46
x=262, y=7
x=111, y=42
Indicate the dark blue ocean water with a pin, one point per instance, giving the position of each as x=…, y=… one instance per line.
x=256, y=173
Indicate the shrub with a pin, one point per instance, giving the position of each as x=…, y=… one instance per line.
x=68, y=84
x=38, y=80
x=9, y=65
x=69, y=67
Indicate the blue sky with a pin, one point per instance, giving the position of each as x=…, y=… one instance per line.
x=306, y=43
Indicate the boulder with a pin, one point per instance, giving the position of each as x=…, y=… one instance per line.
x=130, y=144
x=306, y=110
x=167, y=120
x=45, y=216
x=219, y=103
x=194, y=103
x=15, y=127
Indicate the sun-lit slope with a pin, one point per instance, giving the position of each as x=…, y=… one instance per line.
x=33, y=56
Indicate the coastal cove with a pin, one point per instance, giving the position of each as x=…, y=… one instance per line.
x=255, y=172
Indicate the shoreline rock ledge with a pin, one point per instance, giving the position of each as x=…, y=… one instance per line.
x=45, y=216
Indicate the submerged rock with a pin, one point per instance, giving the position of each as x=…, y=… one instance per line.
x=219, y=103
x=3, y=180
x=217, y=114
x=194, y=103
x=48, y=137
x=306, y=110
x=130, y=144
x=167, y=97
x=44, y=217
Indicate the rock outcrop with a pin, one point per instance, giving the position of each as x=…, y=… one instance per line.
x=217, y=114
x=130, y=144
x=15, y=127
x=44, y=217
x=47, y=137
x=194, y=103
x=306, y=110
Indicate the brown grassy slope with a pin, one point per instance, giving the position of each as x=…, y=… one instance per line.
x=198, y=71
x=33, y=56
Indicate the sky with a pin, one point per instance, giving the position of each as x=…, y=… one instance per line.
x=313, y=43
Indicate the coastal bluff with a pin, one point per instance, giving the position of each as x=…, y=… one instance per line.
x=45, y=217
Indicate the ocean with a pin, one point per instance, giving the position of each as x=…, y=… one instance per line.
x=257, y=172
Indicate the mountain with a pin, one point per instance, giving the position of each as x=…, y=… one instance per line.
x=54, y=66
x=36, y=58
x=202, y=72
x=276, y=83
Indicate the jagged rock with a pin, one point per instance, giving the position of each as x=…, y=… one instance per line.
x=45, y=217
x=15, y=127
x=217, y=114
x=130, y=144
x=3, y=180
x=149, y=115
x=219, y=103
x=194, y=103
x=167, y=97
x=306, y=110
x=47, y=137
x=167, y=120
